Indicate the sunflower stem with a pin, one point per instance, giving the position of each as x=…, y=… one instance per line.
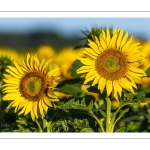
x=0, y=100
x=39, y=126
x=108, y=115
x=98, y=121
x=0, y=95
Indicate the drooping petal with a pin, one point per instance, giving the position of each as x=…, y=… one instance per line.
x=109, y=87
x=102, y=84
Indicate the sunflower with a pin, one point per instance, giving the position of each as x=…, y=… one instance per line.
x=64, y=59
x=146, y=52
x=112, y=62
x=30, y=86
x=45, y=52
x=145, y=81
x=7, y=56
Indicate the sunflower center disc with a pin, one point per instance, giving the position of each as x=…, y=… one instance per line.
x=33, y=85
x=111, y=64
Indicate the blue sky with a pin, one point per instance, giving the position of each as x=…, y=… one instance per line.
x=69, y=26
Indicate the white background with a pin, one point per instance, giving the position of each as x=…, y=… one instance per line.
x=72, y=141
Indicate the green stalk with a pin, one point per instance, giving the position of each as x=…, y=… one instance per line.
x=39, y=126
x=108, y=115
x=0, y=94
x=98, y=121
x=114, y=120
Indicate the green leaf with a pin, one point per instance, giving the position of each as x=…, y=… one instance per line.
x=148, y=72
x=76, y=65
x=71, y=87
x=123, y=129
x=86, y=130
x=122, y=112
x=45, y=123
x=129, y=98
x=103, y=113
x=77, y=103
x=93, y=89
x=82, y=125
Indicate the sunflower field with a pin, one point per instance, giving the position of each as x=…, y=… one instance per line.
x=100, y=85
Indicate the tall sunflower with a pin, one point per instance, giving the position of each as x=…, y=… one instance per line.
x=112, y=62
x=30, y=86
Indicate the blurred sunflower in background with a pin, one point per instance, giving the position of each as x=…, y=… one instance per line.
x=146, y=53
x=145, y=81
x=112, y=62
x=46, y=52
x=7, y=55
x=30, y=86
x=64, y=60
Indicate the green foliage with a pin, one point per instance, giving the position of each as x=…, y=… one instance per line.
x=123, y=129
x=71, y=87
x=76, y=103
x=95, y=31
x=68, y=125
x=148, y=72
x=76, y=65
x=133, y=98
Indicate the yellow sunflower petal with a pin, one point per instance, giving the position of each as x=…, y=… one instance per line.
x=91, y=73
x=16, y=102
x=22, y=103
x=108, y=36
x=103, y=43
x=102, y=84
x=32, y=115
x=113, y=41
x=14, y=70
x=44, y=105
x=137, y=70
x=23, y=109
x=89, y=79
x=10, y=96
x=18, y=68
x=124, y=39
x=119, y=38
x=103, y=33
x=125, y=47
x=35, y=109
x=96, y=80
x=47, y=101
x=28, y=108
x=41, y=65
x=109, y=87
x=13, y=74
x=117, y=87
x=41, y=108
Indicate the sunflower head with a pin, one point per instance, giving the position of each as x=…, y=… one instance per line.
x=7, y=56
x=30, y=86
x=112, y=62
x=45, y=52
x=146, y=53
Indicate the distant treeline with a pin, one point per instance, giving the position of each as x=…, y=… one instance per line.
x=33, y=40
